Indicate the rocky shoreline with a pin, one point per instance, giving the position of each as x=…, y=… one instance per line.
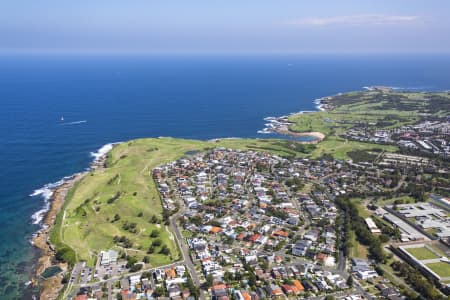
x=281, y=125
x=50, y=288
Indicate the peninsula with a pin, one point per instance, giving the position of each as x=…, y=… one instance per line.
x=341, y=216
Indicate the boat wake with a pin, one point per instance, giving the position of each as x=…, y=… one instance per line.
x=75, y=122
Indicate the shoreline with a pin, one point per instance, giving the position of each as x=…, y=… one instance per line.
x=50, y=288
x=318, y=136
x=281, y=125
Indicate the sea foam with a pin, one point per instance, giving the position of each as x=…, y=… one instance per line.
x=102, y=151
x=46, y=192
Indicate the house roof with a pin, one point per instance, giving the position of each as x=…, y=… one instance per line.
x=281, y=233
x=288, y=288
x=215, y=229
x=241, y=236
x=246, y=296
x=170, y=272
x=298, y=285
x=254, y=237
x=219, y=286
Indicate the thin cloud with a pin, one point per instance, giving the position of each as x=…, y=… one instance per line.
x=354, y=20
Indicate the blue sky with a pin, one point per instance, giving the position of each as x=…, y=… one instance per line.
x=241, y=26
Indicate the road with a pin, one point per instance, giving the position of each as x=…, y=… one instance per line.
x=186, y=261
x=109, y=286
x=185, y=251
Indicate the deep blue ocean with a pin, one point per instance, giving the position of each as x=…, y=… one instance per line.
x=119, y=98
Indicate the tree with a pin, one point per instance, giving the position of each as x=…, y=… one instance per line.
x=265, y=265
x=131, y=260
x=65, y=279
x=379, y=270
x=228, y=277
x=116, y=218
x=252, y=279
x=238, y=276
x=384, y=238
x=209, y=280
x=350, y=281
x=159, y=291
x=135, y=267
x=192, y=288
x=165, y=250
x=154, y=219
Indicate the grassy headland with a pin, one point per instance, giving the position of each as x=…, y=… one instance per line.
x=381, y=108
x=119, y=206
x=121, y=200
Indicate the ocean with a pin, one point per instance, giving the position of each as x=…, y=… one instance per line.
x=58, y=111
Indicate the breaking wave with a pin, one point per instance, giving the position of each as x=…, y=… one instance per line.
x=46, y=192
x=102, y=151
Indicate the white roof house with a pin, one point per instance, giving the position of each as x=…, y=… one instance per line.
x=108, y=257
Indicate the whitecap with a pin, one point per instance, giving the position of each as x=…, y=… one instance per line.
x=45, y=192
x=368, y=88
x=269, y=118
x=38, y=216
x=102, y=151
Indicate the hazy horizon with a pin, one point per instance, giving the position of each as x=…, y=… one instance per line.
x=231, y=27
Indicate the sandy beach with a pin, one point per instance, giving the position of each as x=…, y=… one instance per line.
x=319, y=136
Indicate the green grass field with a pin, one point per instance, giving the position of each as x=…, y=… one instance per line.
x=125, y=188
x=440, y=268
x=374, y=110
x=421, y=253
x=362, y=210
x=402, y=200
x=360, y=251
x=86, y=224
x=338, y=147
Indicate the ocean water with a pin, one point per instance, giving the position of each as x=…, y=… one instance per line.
x=115, y=98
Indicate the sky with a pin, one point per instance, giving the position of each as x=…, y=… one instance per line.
x=225, y=26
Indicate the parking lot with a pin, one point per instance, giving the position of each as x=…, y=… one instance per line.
x=110, y=270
